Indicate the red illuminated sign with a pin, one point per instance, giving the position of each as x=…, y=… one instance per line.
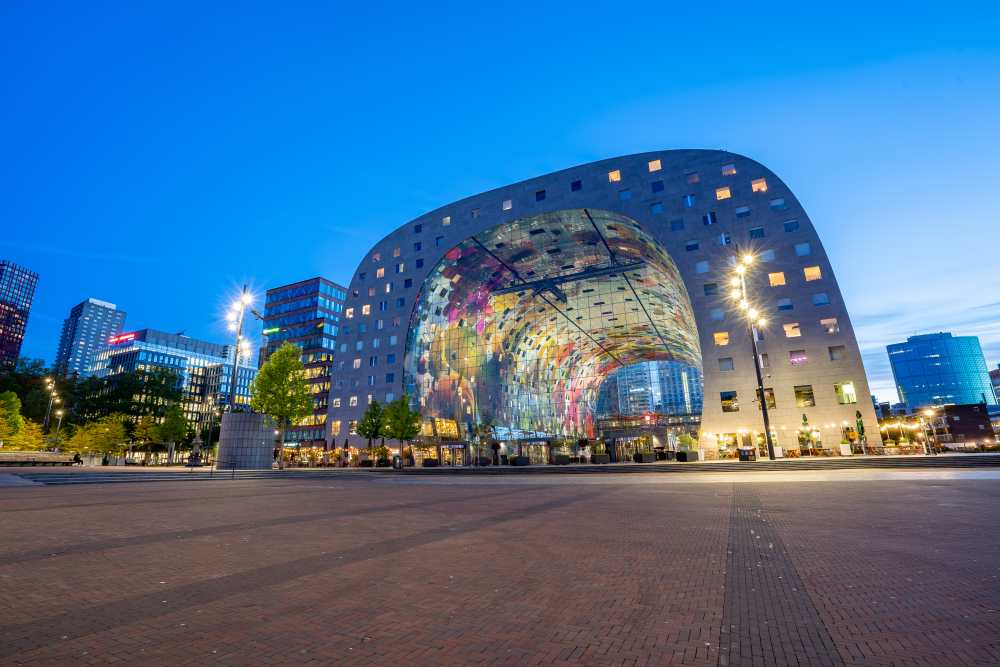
x=121, y=338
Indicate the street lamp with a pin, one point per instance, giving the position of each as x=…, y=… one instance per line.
x=739, y=293
x=59, y=414
x=929, y=414
x=236, y=317
x=50, y=386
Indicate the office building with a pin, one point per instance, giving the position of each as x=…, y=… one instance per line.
x=939, y=369
x=17, y=290
x=85, y=332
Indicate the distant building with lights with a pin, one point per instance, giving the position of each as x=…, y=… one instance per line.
x=84, y=333
x=940, y=369
x=306, y=313
x=17, y=290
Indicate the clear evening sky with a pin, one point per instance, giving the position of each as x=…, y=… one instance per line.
x=159, y=155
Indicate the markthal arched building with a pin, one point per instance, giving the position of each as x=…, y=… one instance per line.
x=595, y=303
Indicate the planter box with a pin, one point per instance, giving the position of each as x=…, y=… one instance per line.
x=560, y=460
x=485, y=461
x=600, y=458
x=644, y=457
x=430, y=463
x=520, y=461
x=689, y=456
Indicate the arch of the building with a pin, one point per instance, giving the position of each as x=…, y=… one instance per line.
x=517, y=326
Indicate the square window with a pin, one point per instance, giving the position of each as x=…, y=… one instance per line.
x=711, y=289
x=390, y=358
x=395, y=252
x=400, y=302
x=400, y=267
x=729, y=170
x=692, y=177
x=717, y=314
x=371, y=291
x=656, y=207
x=709, y=218
x=446, y=220
x=804, y=396
x=778, y=204
x=758, y=185
x=766, y=255
x=357, y=362
x=539, y=195
x=769, y=397
x=507, y=204
x=837, y=352
x=689, y=201
x=726, y=364
x=792, y=330
x=420, y=263
x=776, y=279
x=417, y=229
x=408, y=283
x=390, y=378
x=614, y=176
x=353, y=401
x=349, y=313
x=575, y=186
x=366, y=309
x=418, y=246
x=765, y=361
x=701, y=267
x=821, y=299
x=656, y=186
x=723, y=193
x=730, y=402
x=624, y=195
x=757, y=233
x=474, y=213
x=380, y=273
x=676, y=225
x=376, y=257
x=725, y=239
x=797, y=357
x=721, y=338
x=691, y=245
x=336, y=402
x=803, y=249
x=785, y=304
x=791, y=225
x=812, y=273
x=742, y=212
x=654, y=165
x=846, y=395
x=830, y=325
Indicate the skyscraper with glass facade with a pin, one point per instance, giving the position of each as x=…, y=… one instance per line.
x=84, y=333
x=17, y=290
x=307, y=314
x=938, y=369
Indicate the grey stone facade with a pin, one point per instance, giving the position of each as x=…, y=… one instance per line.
x=246, y=441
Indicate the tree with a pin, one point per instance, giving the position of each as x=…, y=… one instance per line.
x=400, y=422
x=104, y=436
x=172, y=429
x=28, y=438
x=371, y=425
x=280, y=390
x=10, y=412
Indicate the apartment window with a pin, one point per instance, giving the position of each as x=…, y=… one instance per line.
x=837, y=352
x=701, y=267
x=352, y=426
x=388, y=287
x=438, y=240
x=729, y=170
x=371, y=397
x=725, y=239
x=446, y=220
x=357, y=362
x=766, y=255
x=717, y=314
x=689, y=201
x=474, y=213
x=390, y=359
x=692, y=177
x=812, y=273
x=656, y=186
x=778, y=204
x=709, y=218
x=353, y=402
x=758, y=185
x=797, y=357
x=371, y=291
x=830, y=325
x=768, y=397
x=380, y=273
x=691, y=245
x=730, y=401
x=507, y=204
x=723, y=193
x=372, y=362
x=575, y=186
x=383, y=306
x=376, y=257
x=395, y=252
x=711, y=289
x=765, y=361
x=846, y=395
x=614, y=176
x=366, y=309
x=742, y=211
x=624, y=195
x=656, y=207
x=349, y=313
x=417, y=229
x=721, y=338
x=363, y=275
x=359, y=345
x=804, y=396
x=676, y=225
x=408, y=283
x=420, y=263
x=803, y=249
x=792, y=330
x=791, y=225
x=785, y=304
x=726, y=364
x=392, y=340
x=757, y=233
x=389, y=397
x=539, y=195
x=418, y=246
x=400, y=267
x=821, y=299
x=776, y=279
x=379, y=325
x=390, y=378
x=654, y=165
x=400, y=302
x=336, y=402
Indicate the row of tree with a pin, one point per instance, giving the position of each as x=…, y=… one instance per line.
x=396, y=421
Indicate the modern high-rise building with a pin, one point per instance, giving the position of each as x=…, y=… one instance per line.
x=203, y=369
x=306, y=313
x=938, y=369
x=995, y=381
x=85, y=332
x=666, y=388
x=17, y=289
x=513, y=307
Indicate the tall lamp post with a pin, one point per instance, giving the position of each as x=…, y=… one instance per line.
x=236, y=318
x=738, y=283
x=50, y=386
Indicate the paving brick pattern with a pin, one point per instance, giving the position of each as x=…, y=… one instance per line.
x=371, y=572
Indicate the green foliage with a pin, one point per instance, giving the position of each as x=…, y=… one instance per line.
x=280, y=389
x=400, y=422
x=103, y=436
x=145, y=430
x=685, y=442
x=380, y=452
x=174, y=426
x=10, y=411
x=27, y=439
x=372, y=423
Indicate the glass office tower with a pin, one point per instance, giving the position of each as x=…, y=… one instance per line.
x=938, y=368
x=17, y=290
x=84, y=333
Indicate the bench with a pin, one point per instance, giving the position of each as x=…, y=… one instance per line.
x=35, y=459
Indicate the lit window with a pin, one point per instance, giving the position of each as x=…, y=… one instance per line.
x=701, y=267
x=821, y=299
x=711, y=289
x=691, y=245
x=507, y=204
x=693, y=177
x=830, y=325
x=845, y=393
x=742, y=212
x=371, y=397
x=777, y=279
x=353, y=402
x=349, y=313
x=654, y=165
x=371, y=291
x=388, y=287
x=778, y=204
x=539, y=195
x=352, y=426
x=726, y=364
x=395, y=252
x=757, y=233
x=797, y=357
x=366, y=309
x=357, y=362
x=792, y=330
x=380, y=273
x=729, y=170
x=446, y=220
x=837, y=352
x=335, y=424
x=376, y=257
x=723, y=193
x=803, y=249
x=614, y=176
x=791, y=225
x=765, y=361
x=804, y=396
x=400, y=267
x=656, y=207
x=721, y=338
x=717, y=314
x=758, y=185
x=769, y=397
x=812, y=273
x=625, y=195
x=785, y=304
x=730, y=402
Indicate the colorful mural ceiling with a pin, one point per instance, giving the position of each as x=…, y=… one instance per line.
x=519, y=325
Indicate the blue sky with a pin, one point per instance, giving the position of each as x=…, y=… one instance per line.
x=158, y=156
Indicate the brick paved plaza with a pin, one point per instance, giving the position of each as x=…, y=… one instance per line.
x=615, y=570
